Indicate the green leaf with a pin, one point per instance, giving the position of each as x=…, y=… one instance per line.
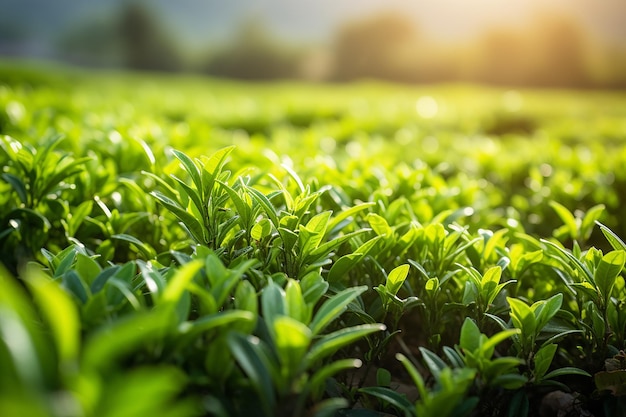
x=414, y=374
x=179, y=281
x=327, y=247
x=316, y=382
x=489, y=344
x=191, y=194
x=567, y=370
x=332, y=342
x=144, y=248
x=566, y=258
x=614, y=240
x=434, y=363
x=246, y=297
x=191, y=168
x=261, y=229
x=273, y=303
x=189, y=330
x=590, y=218
x=313, y=287
x=292, y=339
x=213, y=166
x=396, y=278
x=193, y=225
x=87, y=268
x=567, y=217
x=123, y=337
x=519, y=405
x=544, y=310
x=248, y=353
x=18, y=186
x=268, y=207
x=379, y=225
x=608, y=270
x=296, y=307
x=59, y=311
x=523, y=317
x=391, y=397
x=509, y=381
x=543, y=359
x=333, y=307
x=72, y=282
x=348, y=212
x=470, y=335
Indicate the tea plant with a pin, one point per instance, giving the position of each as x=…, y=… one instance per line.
x=210, y=248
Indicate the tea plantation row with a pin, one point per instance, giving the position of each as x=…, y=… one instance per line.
x=177, y=246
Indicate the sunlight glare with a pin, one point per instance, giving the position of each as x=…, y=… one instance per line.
x=427, y=107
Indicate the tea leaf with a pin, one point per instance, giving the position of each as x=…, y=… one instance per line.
x=333, y=307
x=607, y=271
x=396, y=278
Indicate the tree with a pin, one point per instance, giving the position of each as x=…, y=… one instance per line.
x=253, y=54
x=146, y=46
x=383, y=46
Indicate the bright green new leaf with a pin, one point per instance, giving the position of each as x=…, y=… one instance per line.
x=522, y=316
x=567, y=217
x=332, y=342
x=178, y=283
x=261, y=229
x=470, y=335
x=292, y=339
x=333, y=307
x=296, y=307
x=396, y=278
x=379, y=225
x=545, y=310
x=608, y=270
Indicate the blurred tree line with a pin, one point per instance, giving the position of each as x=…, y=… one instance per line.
x=552, y=51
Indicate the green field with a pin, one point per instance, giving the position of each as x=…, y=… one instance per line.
x=184, y=246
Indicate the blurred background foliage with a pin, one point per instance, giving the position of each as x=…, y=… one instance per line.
x=551, y=47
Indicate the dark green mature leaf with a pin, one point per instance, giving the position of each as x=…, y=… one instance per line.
x=18, y=186
x=391, y=397
x=143, y=247
x=470, y=335
x=543, y=359
x=114, y=341
x=317, y=381
x=566, y=370
x=434, y=363
x=257, y=367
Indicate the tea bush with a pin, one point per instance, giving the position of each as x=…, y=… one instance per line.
x=185, y=246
